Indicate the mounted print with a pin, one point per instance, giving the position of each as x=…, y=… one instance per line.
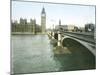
x=52, y=37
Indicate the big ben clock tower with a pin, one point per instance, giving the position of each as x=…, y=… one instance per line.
x=43, y=21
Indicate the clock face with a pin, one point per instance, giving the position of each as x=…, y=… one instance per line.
x=43, y=14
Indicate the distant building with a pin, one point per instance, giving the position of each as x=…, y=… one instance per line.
x=59, y=22
x=43, y=21
x=70, y=27
x=89, y=27
x=61, y=27
x=23, y=21
x=24, y=26
x=33, y=24
x=81, y=29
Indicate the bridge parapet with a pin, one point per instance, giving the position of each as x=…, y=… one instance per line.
x=82, y=33
x=85, y=37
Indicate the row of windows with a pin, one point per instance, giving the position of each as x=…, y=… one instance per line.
x=25, y=28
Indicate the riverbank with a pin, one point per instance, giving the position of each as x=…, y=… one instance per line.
x=27, y=33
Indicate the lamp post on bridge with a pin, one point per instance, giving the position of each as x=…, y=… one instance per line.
x=59, y=39
x=52, y=28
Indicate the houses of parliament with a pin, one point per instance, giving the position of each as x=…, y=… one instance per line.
x=32, y=27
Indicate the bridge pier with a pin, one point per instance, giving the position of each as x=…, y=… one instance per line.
x=53, y=35
x=59, y=39
x=58, y=48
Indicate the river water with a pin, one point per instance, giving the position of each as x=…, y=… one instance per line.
x=34, y=53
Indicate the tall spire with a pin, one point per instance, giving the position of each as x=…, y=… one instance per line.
x=43, y=20
x=43, y=10
x=59, y=22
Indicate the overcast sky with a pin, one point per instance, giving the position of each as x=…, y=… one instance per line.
x=68, y=14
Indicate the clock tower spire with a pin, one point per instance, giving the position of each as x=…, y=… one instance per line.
x=43, y=20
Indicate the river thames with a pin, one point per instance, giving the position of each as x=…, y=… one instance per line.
x=34, y=54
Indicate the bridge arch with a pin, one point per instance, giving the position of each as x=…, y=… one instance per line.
x=70, y=42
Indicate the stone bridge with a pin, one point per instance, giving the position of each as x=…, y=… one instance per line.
x=65, y=38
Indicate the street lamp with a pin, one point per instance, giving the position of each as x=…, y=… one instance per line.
x=53, y=22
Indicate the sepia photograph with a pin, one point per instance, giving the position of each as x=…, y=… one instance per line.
x=52, y=37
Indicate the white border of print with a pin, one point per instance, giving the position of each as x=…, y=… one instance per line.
x=5, y=37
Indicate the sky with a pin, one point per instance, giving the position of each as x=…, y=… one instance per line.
x=77, y=15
